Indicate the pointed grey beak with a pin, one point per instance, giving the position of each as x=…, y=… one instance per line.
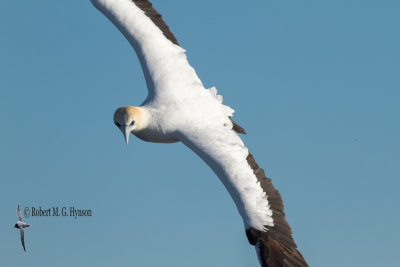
x=126, y=132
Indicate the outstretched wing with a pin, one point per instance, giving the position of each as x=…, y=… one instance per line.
x=19, y=213
x=166, y=69
x=258, y=202
x=21, y=230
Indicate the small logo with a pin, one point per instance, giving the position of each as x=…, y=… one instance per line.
x=26, y=212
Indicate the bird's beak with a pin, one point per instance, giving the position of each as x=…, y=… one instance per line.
x=126, y=132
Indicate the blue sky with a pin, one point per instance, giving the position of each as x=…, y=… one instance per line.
x=314, y=83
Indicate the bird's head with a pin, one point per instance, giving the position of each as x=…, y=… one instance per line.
x=127, y=119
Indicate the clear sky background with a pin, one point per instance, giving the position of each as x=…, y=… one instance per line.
x=314, y=83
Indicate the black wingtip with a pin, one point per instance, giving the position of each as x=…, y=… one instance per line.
x=156, y=17
x=276, y=246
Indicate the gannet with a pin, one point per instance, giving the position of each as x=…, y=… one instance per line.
x=179, y=109
x=21, y=225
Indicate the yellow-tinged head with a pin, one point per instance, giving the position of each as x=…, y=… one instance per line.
x=127, y=119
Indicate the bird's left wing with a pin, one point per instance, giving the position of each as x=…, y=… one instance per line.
x=19, y=213
x=166, y=69
x=21, y=229
x=258, y=202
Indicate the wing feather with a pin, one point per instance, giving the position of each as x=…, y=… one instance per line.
x=21, y=230
x=19, y=213
x=156, y=17
x=275, y=247
x=165, y=66
x=266, y=226
x=223, y=150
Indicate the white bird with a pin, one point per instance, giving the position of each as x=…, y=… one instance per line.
x=21, y=225
x=179, y=109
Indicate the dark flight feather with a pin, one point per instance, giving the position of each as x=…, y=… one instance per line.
x=237, y=128
x=275, y=247
x=156, y=17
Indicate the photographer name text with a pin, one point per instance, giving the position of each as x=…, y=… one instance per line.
x=57, y=212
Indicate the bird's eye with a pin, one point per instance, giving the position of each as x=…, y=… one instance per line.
x=117, y=124
x=132, y=123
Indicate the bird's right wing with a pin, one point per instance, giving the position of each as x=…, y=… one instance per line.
x=166, y=69
x=258, y=202
x=21, y=230
x=19, y=214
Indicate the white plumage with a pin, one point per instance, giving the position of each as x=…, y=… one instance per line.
x=167, y=71
x=225, y=153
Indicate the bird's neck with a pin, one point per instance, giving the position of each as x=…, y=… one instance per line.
x=142, y=116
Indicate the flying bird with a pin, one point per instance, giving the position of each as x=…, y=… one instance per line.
x=21, y=225
x=179, y=109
